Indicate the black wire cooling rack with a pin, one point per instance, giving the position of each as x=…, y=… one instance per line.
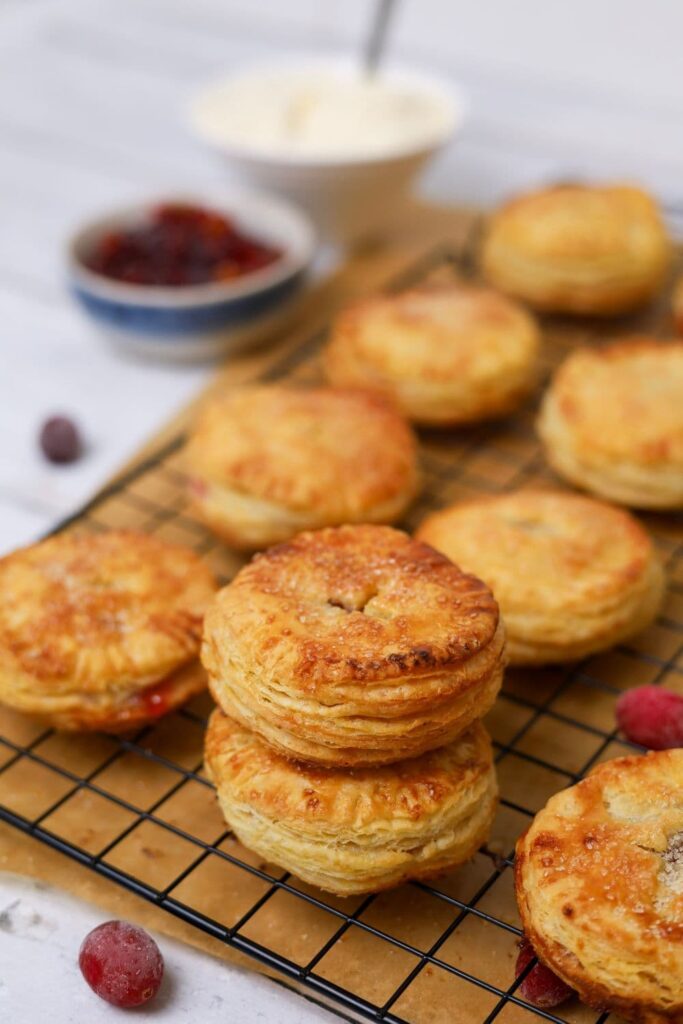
x=139, y=810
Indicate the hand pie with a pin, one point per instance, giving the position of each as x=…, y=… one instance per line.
x=612, y=422
x=101, y=631
x=446, y=354
x=354, y=646
x=269, y=461
x=590, y=249
x=571, y=575
x=360, y=831
x=599, y=879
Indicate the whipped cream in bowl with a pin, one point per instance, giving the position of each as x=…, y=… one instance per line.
x=345, y=145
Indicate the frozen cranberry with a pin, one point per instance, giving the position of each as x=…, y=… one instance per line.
x=652, y=717
x=121, y=963
x=541, y=987
x=60, y=439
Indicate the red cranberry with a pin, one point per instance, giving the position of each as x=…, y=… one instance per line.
x=541, y=987
x=121, y=963
x=652, y=717
x=60, y=439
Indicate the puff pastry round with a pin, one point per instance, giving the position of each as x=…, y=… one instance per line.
x=444, y=353
x=599, y=879
x=588, y=249
x=268, y=462
x=354, y=646
x=101, y=631
x=360, y=831
x=612, y=422
x=571, y=575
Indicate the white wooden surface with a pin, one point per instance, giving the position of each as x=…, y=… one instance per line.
x=41, y=930
x=91, y=96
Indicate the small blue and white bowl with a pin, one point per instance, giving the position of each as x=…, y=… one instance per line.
x=197, y=322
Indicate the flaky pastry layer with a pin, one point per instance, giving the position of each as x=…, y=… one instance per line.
x=354, y=831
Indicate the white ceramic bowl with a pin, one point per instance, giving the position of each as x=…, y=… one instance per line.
x=350, y=196
x=196, y=322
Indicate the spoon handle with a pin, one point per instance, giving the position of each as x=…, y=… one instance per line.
x=378, y=34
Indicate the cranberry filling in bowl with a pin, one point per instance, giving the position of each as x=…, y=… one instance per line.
x=191, y=278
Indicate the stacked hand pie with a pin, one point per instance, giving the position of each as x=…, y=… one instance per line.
x=350, y=667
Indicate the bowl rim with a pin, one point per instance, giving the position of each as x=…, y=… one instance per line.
x=450, y=94
x=299, y=248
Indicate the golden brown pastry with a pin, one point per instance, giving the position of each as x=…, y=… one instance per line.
x=571, y=575
x=677, y=305
x=101, y=631
x=360, y=831
x=444, y=353
x=612, y=422
x=269, y=461
x=354, y=646
x=599, y=878
x=597, y=249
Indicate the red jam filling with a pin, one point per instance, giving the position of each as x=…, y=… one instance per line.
x=156, y=700
x=179, y=245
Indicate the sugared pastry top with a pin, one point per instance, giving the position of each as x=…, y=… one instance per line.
x=577, y=248
x=443, y=352
x=612, y=421
x=599, y=879
x=572, y=575
x=269, y=461
x=101, y=630
x=354, y=645
x=359, y=831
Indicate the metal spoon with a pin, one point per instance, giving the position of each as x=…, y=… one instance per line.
x=378, y=34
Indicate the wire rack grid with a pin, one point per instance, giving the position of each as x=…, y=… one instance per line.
x=139, y=810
